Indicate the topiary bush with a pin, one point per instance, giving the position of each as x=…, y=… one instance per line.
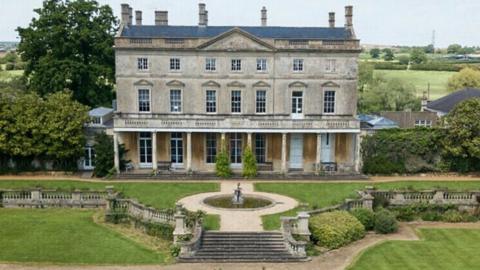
x=249, y=163
x=222, y=165
x=335, y=229
x=385, y=222
x=365, y=216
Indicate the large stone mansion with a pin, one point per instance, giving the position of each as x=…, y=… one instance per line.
x=287, y=92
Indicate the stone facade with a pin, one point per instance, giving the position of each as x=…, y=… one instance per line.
x=164, y=81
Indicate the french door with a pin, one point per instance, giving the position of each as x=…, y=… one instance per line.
x=145, y=149
x=176, y=149
x=297, y=104
x=296, y=151
x=236, y=148
x=89, y=158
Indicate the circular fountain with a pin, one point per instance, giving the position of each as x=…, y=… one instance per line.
x=238, y=201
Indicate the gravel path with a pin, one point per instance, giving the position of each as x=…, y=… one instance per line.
x=234, y=220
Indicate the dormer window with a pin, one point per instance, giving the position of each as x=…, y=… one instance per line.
x=95, y=120
x=298, y=65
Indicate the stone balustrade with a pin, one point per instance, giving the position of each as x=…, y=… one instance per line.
x=138, y=211
x=298, y=226
x=39, y=198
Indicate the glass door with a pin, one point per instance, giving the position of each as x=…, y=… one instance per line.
x=145, y=149
x=176, y=149
x=297, y=104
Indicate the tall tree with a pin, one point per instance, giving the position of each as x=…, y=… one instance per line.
x=467, y=77
x=375, y=53
x=388, y=54
x=418, y=56
x=462, y=141
x=70, y=46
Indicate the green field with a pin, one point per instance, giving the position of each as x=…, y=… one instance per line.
x=318, y=195
x=440, y=249
x=6, y=75
x=420, y=79
x=67, y=236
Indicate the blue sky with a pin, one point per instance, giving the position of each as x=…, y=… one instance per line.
x=390, y=22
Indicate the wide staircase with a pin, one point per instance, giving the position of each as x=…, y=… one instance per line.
x=242, y=247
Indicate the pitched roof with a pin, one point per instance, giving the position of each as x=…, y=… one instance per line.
x=376, y=122
x=447, y=103
x=275, y=32
x=99, y=112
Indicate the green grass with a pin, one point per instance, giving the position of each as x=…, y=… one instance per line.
x=420, y=79
x=319, y=195
x=6, y=75
x=66, y=236
x=441, y=249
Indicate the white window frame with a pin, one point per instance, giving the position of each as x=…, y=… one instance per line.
x=143, y=64
x=261, y=64
x=214, y=157
x=210, y=64
x=423, y=123
x=236, y=65
x=327, y=104
x=96, y=120
x=298, y=65
x=257, y=102
x=149, y=100
x=331, y=65
x=234, y=103
x=175, y=64
x=295, y=114
x=142, y=141
x=207, y=101
x=177, y=152
x=264, y=147
x=236, y=152
x=90, y=159
x=180, y=109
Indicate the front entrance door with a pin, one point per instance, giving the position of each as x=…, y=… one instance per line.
x=327, y=142
x=176, y=149
x=145, y=149
x=296, y=151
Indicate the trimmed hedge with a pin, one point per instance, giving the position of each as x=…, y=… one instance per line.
x=389, y=66
x=435, y=66
x=365, y=216
x=335, y=229
x=385, y=222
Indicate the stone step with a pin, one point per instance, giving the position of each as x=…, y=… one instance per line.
x=239, y=260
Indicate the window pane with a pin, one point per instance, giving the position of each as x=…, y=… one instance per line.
x=174, y=63
x=211, y=144
x=261, y=101
x=236, y=148
x=176, y=147
x=329, y=102
x=236, y=64
x=175, y=100
x=144, y=100
x=236, y=101
x=211, y=101
x=260, y=148
x=142, y=63
x=210, y=64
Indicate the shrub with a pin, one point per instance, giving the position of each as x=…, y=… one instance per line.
x=222, y=165
x=116, y=217
x=249, y=163
x=385, y=222
x=435, y=66
x=335, y=229
x=104, y=155
x=10, y=66
x=389, y=66
x=174, y=250
x=407, y=213
x=453, y=216
x=160, y=230
x=403, y=60
x=365, y=216
x=431, y=216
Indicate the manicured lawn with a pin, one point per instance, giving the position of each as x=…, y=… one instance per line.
x=158, y=195
x=420, y=79
x=319, y=195
x=441, y=249
x=67, y=236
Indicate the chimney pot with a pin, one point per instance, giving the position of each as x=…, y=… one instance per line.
x=161, y=17
x=206, y=17
x=125, y=13
x=348, y=17
x=331, y=19
x=201, y=14
x=264, y=16
x=130, y=15
x=138, y=17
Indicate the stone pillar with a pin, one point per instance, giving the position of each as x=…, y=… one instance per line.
x=223, y=143
x=36, y=194
x=189, y=151
x=154, y=151
x=318, y=158
x=367, y=201
x=302, y=225
x=116, y=154
x=180, y=226
x=249, y=140
x=284, y=153
x=357, y=159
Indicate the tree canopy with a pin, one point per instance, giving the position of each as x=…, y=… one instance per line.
x=418, y=56
x=375, y=53
x=467, y=77
x=70, y=46
x=462, y=141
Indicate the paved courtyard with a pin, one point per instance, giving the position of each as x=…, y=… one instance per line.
x=239, y=220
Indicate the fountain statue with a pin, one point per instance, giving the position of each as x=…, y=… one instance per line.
x=237, y=196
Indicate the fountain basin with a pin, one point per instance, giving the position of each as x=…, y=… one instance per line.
x=249, y=202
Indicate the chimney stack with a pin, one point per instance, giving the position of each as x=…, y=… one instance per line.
x=331, y=19
x=125, y=14
x=264, y=16
x=348, y=17
x=138, y=17
x=130, y=15
x=161, y=17
x=201, y=14
x=206, y=17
